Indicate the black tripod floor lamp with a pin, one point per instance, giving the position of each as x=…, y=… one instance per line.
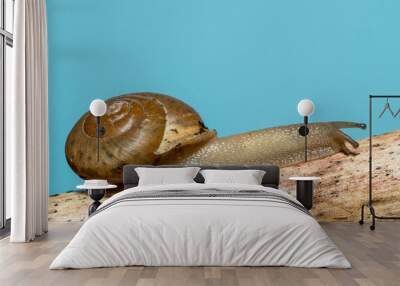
x=305, y=107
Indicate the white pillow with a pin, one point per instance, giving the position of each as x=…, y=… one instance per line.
x=248, y=177
x=163, y=176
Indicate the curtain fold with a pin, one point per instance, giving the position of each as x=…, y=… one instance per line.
x=28, y=123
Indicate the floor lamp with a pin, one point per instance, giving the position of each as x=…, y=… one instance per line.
x=98, y=108
x=305, y=108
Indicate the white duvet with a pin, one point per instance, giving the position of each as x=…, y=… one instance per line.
x=200, y=231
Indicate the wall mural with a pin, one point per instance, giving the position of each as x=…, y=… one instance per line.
x=149, y=128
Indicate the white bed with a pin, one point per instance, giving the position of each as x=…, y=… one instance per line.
x=206, y=230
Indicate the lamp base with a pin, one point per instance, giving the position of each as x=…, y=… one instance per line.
x=303, y=131
x=96, y=195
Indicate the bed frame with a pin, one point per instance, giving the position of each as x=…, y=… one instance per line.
x=271, y=178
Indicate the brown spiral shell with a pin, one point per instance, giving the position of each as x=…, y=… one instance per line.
x=140, y=127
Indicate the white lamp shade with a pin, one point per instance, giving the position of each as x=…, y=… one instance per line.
x=98, y=107
x=305, y=107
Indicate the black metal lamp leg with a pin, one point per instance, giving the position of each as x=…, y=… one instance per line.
x=361, y=221
x=373, y=216
x=372, y=210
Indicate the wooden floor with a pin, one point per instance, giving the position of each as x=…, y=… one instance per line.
x=375, y=257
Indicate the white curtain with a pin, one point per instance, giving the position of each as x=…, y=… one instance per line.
x=27, y=144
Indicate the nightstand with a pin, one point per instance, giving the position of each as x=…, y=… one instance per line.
x=96, y=193
x=304, y=190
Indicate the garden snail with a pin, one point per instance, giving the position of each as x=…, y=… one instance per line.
x=150, y=128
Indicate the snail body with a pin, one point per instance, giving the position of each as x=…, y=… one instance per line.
x=152, y=129
x=280, y=146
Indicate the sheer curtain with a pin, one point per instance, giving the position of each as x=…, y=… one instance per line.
x=27, y=145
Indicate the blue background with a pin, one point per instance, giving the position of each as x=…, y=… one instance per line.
x=243, y=65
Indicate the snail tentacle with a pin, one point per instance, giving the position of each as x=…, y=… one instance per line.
x=347, y=138
x=345, y=124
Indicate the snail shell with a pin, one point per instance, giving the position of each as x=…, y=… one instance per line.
x=139, y=128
